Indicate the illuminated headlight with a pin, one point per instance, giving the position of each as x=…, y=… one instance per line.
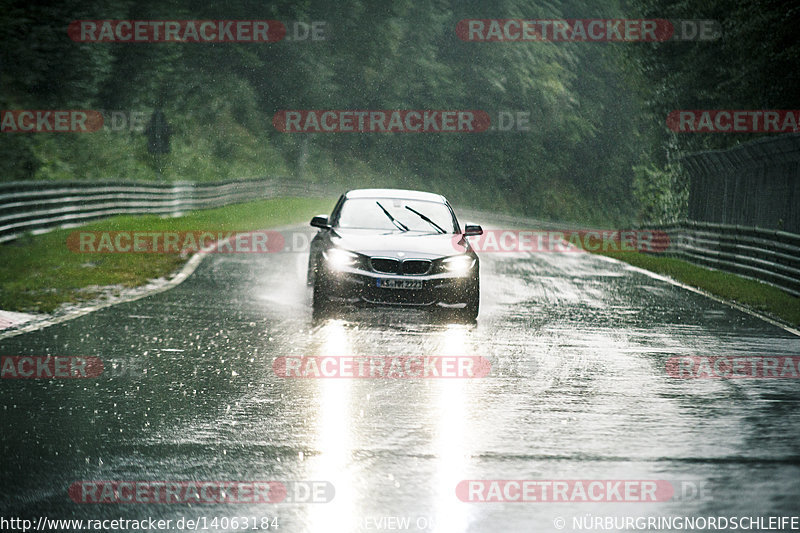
x=338, y=259
x=459, y=264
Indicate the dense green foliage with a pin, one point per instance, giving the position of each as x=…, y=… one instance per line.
x=752, y=66
x=597, y=150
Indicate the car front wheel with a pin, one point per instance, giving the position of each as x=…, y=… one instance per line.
x=321, y=300
x=469, y=313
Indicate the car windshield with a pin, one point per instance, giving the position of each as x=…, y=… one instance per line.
x=396, y=214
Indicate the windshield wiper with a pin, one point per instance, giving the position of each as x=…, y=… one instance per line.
x=426, y=219
x=400, y=225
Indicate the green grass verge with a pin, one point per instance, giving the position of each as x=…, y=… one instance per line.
x=38, y=273
x=749, y=293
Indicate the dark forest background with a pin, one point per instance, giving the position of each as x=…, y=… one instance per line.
x=598, y=149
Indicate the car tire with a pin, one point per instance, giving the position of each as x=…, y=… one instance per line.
x=321, y=300
x=469, y=313
x=311, y=272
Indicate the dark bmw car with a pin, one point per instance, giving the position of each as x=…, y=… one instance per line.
x=394, y=247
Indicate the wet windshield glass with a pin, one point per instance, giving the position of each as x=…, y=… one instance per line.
x=366, y=213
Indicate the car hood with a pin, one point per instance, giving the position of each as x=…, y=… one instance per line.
x=389, y=243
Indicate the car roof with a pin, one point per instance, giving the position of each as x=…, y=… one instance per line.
x=404, y=194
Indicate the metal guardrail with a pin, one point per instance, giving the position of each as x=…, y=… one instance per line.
x=753, y=184
x=771, y=256
x=41, y=206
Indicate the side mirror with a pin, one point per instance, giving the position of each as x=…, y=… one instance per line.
x=472, y=230
x=320, y=221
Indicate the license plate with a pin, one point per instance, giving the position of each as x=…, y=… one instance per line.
x=413, y=284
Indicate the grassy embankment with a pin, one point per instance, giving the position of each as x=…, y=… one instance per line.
x=39, y=273
x=749, y=293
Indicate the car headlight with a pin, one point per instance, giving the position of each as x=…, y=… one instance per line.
x=459, y=264
x=338, y=259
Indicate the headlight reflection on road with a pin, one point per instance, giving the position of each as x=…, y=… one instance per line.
x=334, y=440
x=451, y=444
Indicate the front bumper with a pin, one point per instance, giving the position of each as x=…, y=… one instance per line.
x=356, y=286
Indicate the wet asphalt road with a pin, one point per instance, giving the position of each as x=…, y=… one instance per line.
x=578, y=390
